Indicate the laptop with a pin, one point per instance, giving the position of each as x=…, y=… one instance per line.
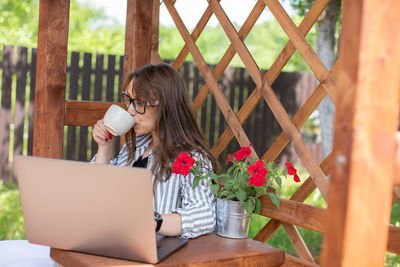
x=97, y=209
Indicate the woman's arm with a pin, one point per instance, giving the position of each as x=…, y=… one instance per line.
x=171, y=225
x=197, y=213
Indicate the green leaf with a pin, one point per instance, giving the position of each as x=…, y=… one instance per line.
x=230, y=170
x=278, y=181
x=196, y=181
x=222, y=175
x=231, y=196
x=226, y=179
x=214, y=177
x=214, y=188
x=195, y=171
x=274, y=199
x=250, y=205
x=223, y=194
x=241, y=195
x=243, y=178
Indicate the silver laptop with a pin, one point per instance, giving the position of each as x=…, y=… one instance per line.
x=97, y=209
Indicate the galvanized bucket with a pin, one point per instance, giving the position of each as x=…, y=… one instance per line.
x=232, y=219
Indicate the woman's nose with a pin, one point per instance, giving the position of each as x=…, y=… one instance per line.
x=132, y=110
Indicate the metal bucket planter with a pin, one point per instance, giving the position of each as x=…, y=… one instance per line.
x=232, y=219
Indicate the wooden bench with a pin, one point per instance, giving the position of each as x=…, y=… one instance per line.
x=209, y=250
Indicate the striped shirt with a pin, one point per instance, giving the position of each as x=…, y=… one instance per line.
x=195, y=206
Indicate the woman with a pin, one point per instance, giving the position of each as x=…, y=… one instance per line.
x=157, y=98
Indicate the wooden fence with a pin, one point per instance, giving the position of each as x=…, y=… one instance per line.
x=98, y=78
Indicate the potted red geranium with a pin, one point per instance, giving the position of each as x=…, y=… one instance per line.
x=239, y=188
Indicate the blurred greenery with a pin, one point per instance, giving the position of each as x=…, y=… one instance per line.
x=11, y=220
x=92, y=30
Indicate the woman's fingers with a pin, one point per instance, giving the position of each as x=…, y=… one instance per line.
x=100, y=133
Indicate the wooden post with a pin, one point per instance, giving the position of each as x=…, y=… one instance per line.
x=155, y=56
x=138, y=35
x=360, y=191
x=51, y=72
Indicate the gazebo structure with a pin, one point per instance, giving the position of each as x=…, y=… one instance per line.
x=364, y=84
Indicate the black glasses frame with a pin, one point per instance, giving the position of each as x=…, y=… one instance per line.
x=132, y=101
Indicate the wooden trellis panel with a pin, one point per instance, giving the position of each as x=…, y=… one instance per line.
x=209, y=78
x=303, y=215
x=263, y=89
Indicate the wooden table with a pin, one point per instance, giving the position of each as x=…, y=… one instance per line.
x=209, y=250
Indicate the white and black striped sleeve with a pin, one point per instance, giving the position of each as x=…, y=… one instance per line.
x=198, y=207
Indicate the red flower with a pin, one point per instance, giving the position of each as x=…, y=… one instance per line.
x=182, y=164
x=257, y=168
x=257, y=180
x=242, y=153
x=258, y=172
x=292, y=171
x=229, y=158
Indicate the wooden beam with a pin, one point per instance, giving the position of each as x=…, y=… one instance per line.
x=138, y=35
x=155, y=27
x=360, y=190
x=298, y=242
x=85, y=113
x=291, y=261
x=394, y=240
x=396, y=175
x=293, y=212
x=396, y=194
x=51, y=72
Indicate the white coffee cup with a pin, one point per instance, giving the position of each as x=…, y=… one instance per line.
x=117, y=120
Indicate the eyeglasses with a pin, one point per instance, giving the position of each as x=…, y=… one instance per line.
x=139, y=106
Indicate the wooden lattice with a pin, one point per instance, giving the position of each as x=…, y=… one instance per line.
x=263, y=83
x=292, y=212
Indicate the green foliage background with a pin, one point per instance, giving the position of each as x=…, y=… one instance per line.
x=91, y=30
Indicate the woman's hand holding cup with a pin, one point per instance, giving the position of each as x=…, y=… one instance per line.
x=105, y=143
x=117, y=121
x=101, y=136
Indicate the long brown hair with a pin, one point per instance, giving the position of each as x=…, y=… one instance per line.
x=176, y=125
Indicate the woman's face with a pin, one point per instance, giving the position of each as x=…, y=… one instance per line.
x=144, y=123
